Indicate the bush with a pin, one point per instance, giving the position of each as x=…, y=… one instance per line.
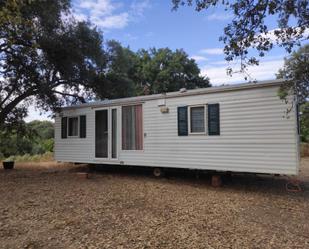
x=48, y=156
x=304, y=149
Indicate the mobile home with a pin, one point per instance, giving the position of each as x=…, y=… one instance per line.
x=238, y=128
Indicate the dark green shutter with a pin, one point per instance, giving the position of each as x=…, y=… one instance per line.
x=64, y=127
x=82, y=126
x=213, y=119
x=182, y=115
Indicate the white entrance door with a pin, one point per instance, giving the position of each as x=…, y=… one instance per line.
x=106, y=133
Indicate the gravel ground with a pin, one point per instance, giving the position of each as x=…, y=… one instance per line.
x=48, y=205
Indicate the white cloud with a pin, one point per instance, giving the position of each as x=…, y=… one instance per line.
x=212, y=51
x=108, y=14
x=198, y=58
x=275, y=39
x=98, y=6
x=266, y=70
x=219, y=17
x=112, y=22
x=138, y=7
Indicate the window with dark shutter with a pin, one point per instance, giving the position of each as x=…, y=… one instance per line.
x=213, y=119
x=64, y=123
x=182, y=116
x=82, y=126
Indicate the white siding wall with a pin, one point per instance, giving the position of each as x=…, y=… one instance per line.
x=255, y=136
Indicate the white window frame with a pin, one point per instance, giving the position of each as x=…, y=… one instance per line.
x=205, y=120
x=69, y=127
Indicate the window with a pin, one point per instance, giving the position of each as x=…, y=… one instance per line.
x=197, y=119
x=193, y=120
x=132, y=127
x=73, y=127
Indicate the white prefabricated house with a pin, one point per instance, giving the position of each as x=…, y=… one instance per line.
x=236, y=128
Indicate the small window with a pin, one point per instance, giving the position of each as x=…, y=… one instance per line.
x=73, y=127
x=132, y=127
x=197, y=119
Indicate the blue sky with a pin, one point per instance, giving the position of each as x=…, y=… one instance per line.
x=144, y=24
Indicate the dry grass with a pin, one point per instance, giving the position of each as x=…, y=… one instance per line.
x=46, y=205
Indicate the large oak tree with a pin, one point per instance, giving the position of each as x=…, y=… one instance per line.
x=46, y=57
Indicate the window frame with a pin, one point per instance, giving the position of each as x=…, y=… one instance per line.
x=121, y=128
x=68, y=127
x=205, y=120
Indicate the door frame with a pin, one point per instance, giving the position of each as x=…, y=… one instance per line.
x=109, y=136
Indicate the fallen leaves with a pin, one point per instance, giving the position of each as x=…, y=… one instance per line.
x=51, y=207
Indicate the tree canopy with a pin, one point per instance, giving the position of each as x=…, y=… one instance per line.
x=45, y=58
x=164, y=70
x=248, y=28
x=48, y=59
x=296, y=72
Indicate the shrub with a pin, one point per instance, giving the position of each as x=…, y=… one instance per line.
x=48, y=156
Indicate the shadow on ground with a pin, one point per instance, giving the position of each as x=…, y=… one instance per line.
x=234, y=181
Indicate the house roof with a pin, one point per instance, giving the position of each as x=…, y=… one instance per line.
x=197, y=91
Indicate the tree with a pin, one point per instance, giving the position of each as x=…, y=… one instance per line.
x=44, y=129
x=117, y=80
x=248, y=28
x=160, y=70
x=16, y=140
x=296, y=72
x=36, y=137
x=304, y=122
x=46, y=57
x=163, y=70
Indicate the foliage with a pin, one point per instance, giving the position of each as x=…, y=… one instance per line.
x=116, y=81
x=46, y=57
x=31, y=138
x=163, y=70
x=159, y=70
x=47, y=156
x=248, y=27
x=296, y=71
x=304, y=122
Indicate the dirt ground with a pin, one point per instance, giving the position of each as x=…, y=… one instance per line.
x=48, y=205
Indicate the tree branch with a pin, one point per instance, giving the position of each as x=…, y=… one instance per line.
x=80, y=98
x=8, y=108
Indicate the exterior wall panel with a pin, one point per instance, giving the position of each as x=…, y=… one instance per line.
x=255, y=135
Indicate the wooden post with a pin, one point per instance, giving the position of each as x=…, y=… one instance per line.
x=216, y=181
